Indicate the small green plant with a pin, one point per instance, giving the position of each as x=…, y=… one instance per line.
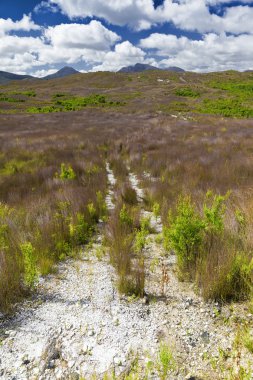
x=156, y=210
x=80, y=230
x=92, y=212
x=30, y=268
x=66, y=172
x=125, y=217
x=214, y=209
x=165, y=361
x=101, y=204
x=248, y=340
x=141, y=235
x=100, y=253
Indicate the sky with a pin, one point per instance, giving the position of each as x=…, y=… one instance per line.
x=40, y=37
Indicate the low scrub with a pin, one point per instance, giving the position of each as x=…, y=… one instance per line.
x=188, y=92
x=49, y=215
x=64, y=104
x=126, y=241
x=226, y=107
x=207, y=252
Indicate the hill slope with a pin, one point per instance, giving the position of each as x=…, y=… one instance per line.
x=6, y=77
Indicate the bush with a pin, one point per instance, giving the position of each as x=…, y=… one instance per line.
x=188, y=92
x=101, y=205
x=30, y=268
x=141, y=235
x=227, y=276
x=185, y=235
x=165, y=361
x=156, y=209
x=206, y=252
x=80, y=231
x=66, y=173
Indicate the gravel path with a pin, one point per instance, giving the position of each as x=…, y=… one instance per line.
x=78, y=325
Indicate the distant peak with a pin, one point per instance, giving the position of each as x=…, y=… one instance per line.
x=63, y=72
x=139, y=67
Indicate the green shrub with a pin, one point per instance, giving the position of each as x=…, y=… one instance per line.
x=101, y=205
x=232, y=279
x=156, y=210
x=214, y=209
x=165, y=361
x=66, y=173
x=187, y=91
x=92, y=212
x=30, y=268
x=185, y=234
x=75, y=103
x=125, y=217
x=141, y=235
x=80, y=231
x=226, y=107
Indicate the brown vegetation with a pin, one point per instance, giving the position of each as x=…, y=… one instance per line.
x=55, y=207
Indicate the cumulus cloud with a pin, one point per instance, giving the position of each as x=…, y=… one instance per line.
x=71, y=43
x=98, y=48
x=141, y=14
x=211, y=53
x=61, y=44
x=124, y=54
x=79, y=36
x=25, y=24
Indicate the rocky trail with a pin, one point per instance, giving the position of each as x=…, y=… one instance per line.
x=77, y=325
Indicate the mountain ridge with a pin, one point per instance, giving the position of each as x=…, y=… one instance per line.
x=6, y=77
x=140, y=67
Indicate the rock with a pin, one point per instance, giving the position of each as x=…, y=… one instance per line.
x=91, y=333
x=71, y=364
x=51, y=365
x=205, y=336
x=119, y=360
x=145, y=300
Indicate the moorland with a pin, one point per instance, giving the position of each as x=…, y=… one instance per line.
x=184, y=140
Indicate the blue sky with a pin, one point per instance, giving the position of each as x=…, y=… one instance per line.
x=39, y=37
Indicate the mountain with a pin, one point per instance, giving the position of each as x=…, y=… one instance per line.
x=174, y=68
x=139, y=67
x=64, y=72
x=6, y=77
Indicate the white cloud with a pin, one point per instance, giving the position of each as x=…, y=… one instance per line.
x=25, y=24
x=65, y=43
x=97, y=47
x=124, y=54
x=43, y=72
x=71, y=43
x=79, y=36
x=212, y=53
x=185, y=14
